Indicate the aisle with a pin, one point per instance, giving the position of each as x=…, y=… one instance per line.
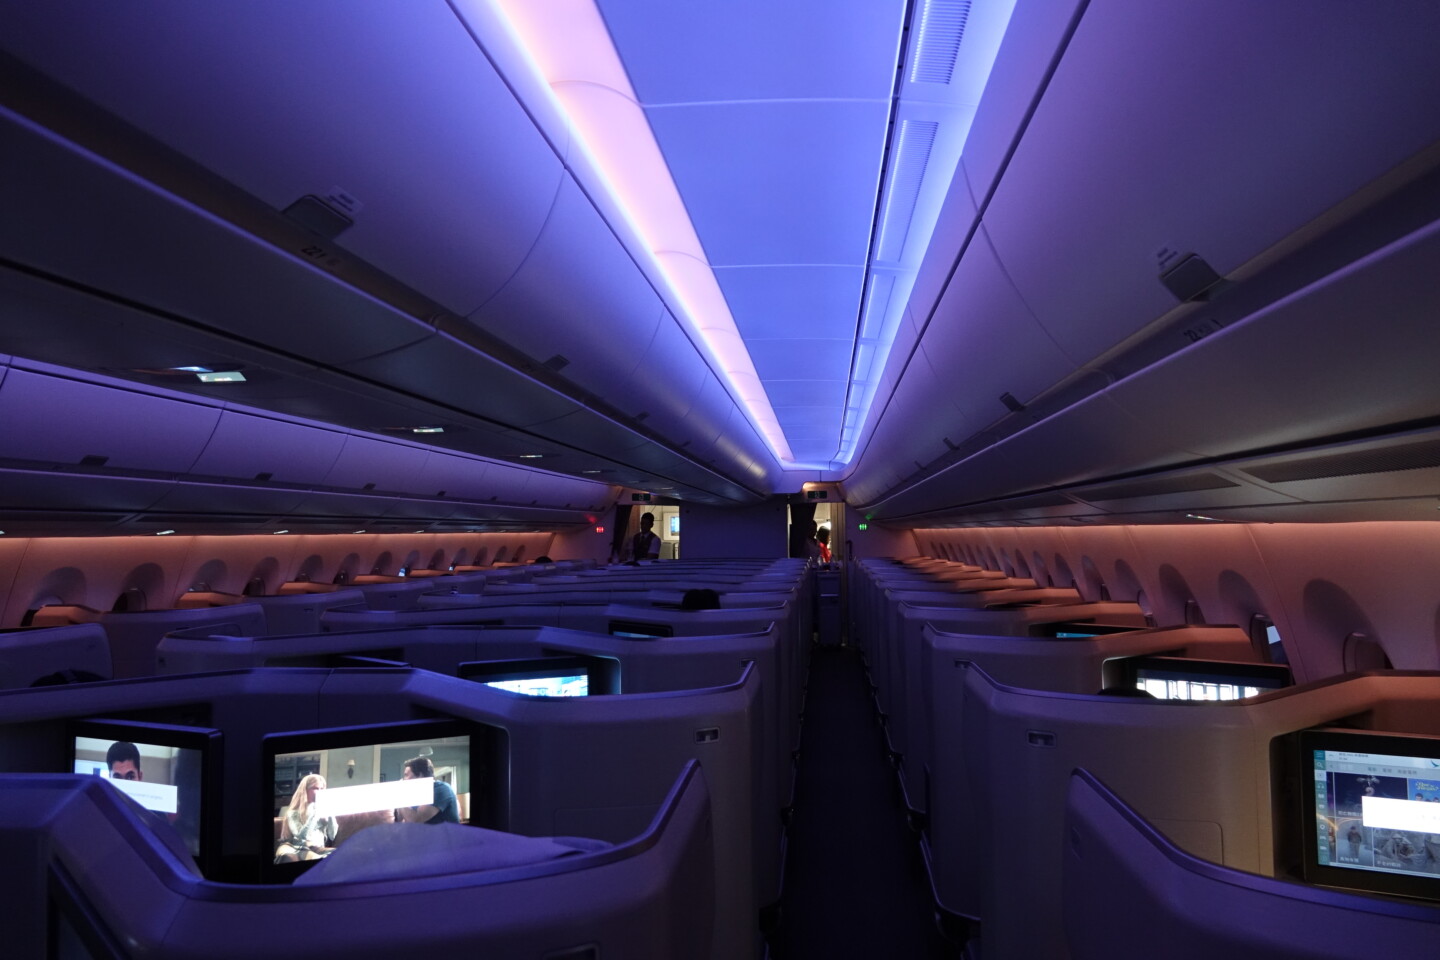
x=854, y=883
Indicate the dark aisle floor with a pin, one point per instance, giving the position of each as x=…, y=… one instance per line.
x=854, y=881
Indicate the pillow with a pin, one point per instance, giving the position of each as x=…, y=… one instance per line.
x=394, y=851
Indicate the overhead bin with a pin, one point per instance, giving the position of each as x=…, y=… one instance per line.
x=325, y=107
x=1261, y=131
x=203, y=281
x=63, y=421
x=244, y=445
x=578, y=270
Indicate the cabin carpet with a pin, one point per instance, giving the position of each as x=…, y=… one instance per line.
x=855, y=884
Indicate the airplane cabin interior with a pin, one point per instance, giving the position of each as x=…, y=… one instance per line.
x=566, y=479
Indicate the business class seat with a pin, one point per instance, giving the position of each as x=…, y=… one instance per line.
x=84, y=865
x=1128, y=888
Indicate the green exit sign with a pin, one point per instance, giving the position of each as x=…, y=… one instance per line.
x=817, y=494
x=639, y=498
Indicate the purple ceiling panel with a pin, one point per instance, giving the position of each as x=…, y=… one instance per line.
x=57, y=420
x=397, y=108
x=800, y=391
x=810, y=420
x=793, y=301
x=785, y=359
x=579, y=296
x=754, y=188
x=245, y=446
x=685, y=52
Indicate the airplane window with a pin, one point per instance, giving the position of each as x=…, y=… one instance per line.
x=1266, y=638
x=131, y=601
x=1143, y=602
x=255, y=588
x=1362, y=653
x=1193, y=613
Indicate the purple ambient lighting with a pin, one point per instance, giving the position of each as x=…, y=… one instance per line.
x=568, y=45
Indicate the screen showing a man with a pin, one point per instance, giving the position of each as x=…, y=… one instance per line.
x=444, y=808
x=163, y=779
x=123, y=761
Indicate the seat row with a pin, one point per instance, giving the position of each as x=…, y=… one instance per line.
x=716, y=688
x=993, y=692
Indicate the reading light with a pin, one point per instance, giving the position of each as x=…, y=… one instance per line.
x=281, y=531
x=601, y=471
x=222, y=376
x=427, y=429
x=359, y=531
x=192, y=369
x=163, y=533
x=1196, y=516
x=532, y=456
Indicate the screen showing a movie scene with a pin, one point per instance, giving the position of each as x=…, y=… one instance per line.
x=1375, y=805
x=328, y=785
x=559, y=676
x=161, y=768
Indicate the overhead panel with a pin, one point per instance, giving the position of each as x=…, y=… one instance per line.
x=1295, y=122
x=398, y=109
x=674, y=373
x=1033, y=43
x=64, y=421
x=978, y=330
x=183, y=264
x=248, y=447
x=1351, y=353
x=579, y=302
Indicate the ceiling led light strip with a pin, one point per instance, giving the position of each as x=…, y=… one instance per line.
x=942, y=28
x=569, y=47
x=912, y=156
x=920, y=167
